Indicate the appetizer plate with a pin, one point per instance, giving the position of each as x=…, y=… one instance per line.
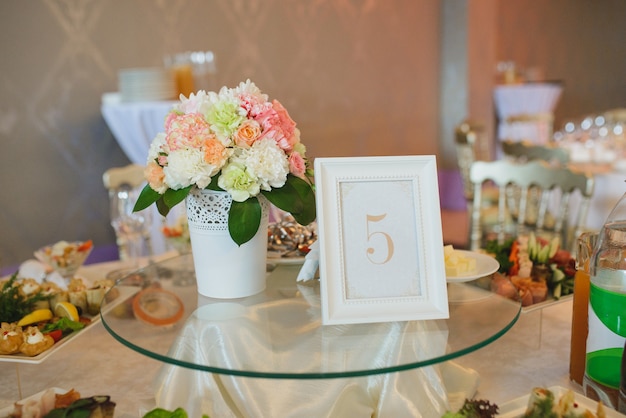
x=485, y=265
x=6, y=411
x=125, y=293
x=517, y=407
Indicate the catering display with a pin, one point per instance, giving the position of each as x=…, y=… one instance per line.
x=532, y=269
x=42, y=307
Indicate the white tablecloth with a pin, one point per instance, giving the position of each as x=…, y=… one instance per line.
x=97, y=364
x=525, y=111
x=135, y=124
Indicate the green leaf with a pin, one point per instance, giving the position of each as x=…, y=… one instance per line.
x=164, y=413
x=296, y=197
x=147, y=197
x=213, y=184
x=66, y=326
x=244, y=219
x=173, y=197
x=162, y=207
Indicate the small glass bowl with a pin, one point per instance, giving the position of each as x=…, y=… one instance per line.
x=156, y=306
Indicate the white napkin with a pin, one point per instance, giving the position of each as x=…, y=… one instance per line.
x=461, y=383
x=311, y=263
x=35, y=269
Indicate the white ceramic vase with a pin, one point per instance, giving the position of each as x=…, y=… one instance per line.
x=224, y=270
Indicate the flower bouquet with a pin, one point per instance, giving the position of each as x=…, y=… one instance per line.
x=531, y=268
x=235, y=140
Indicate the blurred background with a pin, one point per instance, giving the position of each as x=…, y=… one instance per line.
x=360, y=77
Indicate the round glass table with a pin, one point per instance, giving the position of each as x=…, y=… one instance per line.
x=278, y=333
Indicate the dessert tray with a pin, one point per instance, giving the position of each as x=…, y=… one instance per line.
x=485, y=265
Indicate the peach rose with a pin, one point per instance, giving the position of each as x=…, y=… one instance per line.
x=248, y=132
x=155, y=177
x=214, y=152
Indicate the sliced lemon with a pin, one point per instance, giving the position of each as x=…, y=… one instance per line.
x=35, y=316
x=66, y=310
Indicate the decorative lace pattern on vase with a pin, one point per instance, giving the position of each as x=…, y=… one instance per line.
x=208, y=209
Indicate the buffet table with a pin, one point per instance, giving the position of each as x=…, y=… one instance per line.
x=96, y=363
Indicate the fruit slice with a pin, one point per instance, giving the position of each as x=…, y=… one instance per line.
x=66, y=310
x=38, y=315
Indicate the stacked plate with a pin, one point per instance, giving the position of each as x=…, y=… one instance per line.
x=147, y=84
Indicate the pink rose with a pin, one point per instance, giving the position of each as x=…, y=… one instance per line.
x=297, y=165
x=248, y=132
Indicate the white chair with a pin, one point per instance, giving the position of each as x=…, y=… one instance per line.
x=470, y=147
x=131, y=175
x=554, y=185
x=528, y=151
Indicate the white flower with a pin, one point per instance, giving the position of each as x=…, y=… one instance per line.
x=267, y=162
x=186, y=167
x=196, y=103
x=157, y=146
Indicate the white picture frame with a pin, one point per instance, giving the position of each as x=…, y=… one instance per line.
x=380, y=237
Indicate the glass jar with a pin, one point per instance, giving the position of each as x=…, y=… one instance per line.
x=607, y=310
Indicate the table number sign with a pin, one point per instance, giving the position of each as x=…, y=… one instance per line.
x=381, y=245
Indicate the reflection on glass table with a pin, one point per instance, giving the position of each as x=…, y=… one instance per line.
x=278, y=333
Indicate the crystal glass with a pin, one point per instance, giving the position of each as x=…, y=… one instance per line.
x=131, y=228
x=65, y=257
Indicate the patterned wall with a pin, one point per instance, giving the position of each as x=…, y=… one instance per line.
x=359, y=77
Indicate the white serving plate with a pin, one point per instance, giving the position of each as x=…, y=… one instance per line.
x=125, y=293
x=517, y=407
x=485, y=265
